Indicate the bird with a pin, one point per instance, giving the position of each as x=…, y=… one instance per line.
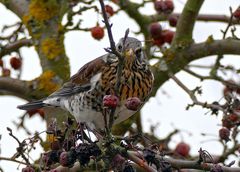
x=83, y=94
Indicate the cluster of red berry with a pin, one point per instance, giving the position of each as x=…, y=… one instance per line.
x=15, y=63
x=164, y=6
x=159, y=35
x=228, y=122
x=232, y=119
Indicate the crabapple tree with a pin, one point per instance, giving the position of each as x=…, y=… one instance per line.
x=169, y=44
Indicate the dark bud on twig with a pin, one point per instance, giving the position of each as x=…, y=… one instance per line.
x=9, y=129
x=108, y=50
x=215, y=110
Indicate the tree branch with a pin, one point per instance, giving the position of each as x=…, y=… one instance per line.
x=200, y=17
x=12, y=160
x=216, y=47
x=142, y=163
x=186, y=23
x=19, y=7
x=194, y=52
x=15, y=46
x=194, y=98
x=186, y=164
x=15, y=87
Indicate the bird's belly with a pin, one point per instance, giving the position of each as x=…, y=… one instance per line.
x=95, y=118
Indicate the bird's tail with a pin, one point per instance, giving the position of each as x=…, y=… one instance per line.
x=32, y=105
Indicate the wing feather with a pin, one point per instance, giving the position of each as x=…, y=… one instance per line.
x=81, y=81
x=90, y=69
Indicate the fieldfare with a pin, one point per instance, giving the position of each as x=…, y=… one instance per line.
x=83, y=94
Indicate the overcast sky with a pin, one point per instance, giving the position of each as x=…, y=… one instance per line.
x=167, y=110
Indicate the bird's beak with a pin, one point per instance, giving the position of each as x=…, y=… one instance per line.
x=129, y=53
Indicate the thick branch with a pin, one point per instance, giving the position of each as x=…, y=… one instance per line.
x=216, y=47
x=15, y=46
x=186, y=22
x=186, y=164
x=15, y=87
x=131, y=9
x=200, y=17
x=194, y=52
x=19, y=7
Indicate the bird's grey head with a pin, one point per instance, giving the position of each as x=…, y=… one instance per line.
x=134, y=44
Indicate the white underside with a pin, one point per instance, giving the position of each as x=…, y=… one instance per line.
x=92, y=118
x=96, y=118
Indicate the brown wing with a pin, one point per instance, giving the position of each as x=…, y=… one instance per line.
x=90, y=69
x=81, y=80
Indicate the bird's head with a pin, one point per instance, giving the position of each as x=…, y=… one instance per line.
x=132, y=50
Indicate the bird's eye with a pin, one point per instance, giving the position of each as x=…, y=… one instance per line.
x=138, y=52
x=119, y=47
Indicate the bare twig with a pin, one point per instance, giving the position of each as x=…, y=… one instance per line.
x=200, y=17
x=113, y=50
x=72, y=13
x=15, y=46
x=230, y=22
x=110, y=36
x=194, y=98
x=21, y=148
x=13, y=160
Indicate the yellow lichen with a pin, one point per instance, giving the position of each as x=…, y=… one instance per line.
x=210, y=39
x=46, y=82
x=26, y=19
x=43, y=10
x=60, y=28
x=52, y=48
x=169, y=55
